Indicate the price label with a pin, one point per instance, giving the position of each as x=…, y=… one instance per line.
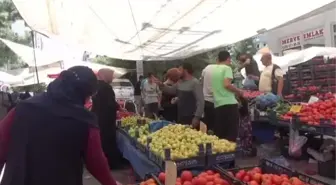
x=171, y=173
x=313, y=99
x=225, y=157
x=295, y=108
x=188, y=163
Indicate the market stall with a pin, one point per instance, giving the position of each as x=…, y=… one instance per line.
x=148, y=144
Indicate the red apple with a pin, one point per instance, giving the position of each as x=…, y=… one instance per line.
x=162, y=177
x=202, y=181
x=257, y=177
x=186, y=176
x=187, y=183
x=246, y=178
x=253, y=182
x=257, y=169
x=239, y=176
x=210, y=172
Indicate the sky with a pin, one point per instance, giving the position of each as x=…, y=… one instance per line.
x=19, y=27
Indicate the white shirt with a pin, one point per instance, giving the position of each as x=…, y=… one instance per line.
x=206, y=80
x=265, y=82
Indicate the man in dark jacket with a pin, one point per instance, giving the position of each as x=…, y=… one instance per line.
x=250, y=65
x=105, y=107
x=137, y=94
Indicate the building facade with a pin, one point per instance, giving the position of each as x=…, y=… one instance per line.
x=317, y=28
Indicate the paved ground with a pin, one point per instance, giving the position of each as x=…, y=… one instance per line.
x=123, y=176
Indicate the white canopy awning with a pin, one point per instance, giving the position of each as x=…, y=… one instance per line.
x=96, y=67
x=157, y=29
x=298, y=57
x=9, y=79
x=26, y=53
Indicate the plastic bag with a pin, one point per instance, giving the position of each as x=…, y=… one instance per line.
x=250, y=84
x=281, y=160
x=295, y=142
x=157, y=125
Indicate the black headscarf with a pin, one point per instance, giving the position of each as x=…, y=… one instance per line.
x=73, y=85
x=66, y=95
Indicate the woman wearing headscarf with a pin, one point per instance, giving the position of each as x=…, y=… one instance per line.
x=45, y=139
x=104, y=105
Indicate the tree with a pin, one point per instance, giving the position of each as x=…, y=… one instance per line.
x=8, y=15
x=245, y=46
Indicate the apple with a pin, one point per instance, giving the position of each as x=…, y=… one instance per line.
x=210, y=183
x=187, y=183
x=217, y=175
x=296, y=181
x=253, y=182
x=240, y=175
x=267, y=182
x=246, y=178
x=162, y=177
x=277, y=180
x=257, y=177
x=194, y=181
x=257, y=170
x=266, y=177
x=202, y=181
x=225, y=182
x=286, y=183
x=186, y=176
x=242, y=171
x=210, y=172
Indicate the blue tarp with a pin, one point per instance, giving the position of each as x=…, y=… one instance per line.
x=157, y=125
x=139, y=161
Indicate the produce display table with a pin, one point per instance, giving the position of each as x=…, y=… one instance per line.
x=139, y=161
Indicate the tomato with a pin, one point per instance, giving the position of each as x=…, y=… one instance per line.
x=333, y=116
x=329, y=104
x=304, y=119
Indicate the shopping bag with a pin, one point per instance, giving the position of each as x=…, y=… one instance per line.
x=296, y=141
x=250, y=84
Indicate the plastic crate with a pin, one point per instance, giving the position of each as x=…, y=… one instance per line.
x=219, y=158
x=268, y=166
x=188, y=163
x=327, y=169
x=196, y=172
x=124, y=132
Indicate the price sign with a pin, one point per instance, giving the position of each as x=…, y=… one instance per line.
x=171, y=173
x=295, y=108
x=313, y=99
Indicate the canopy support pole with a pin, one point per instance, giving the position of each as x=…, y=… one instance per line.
x=139, y=68
x=34, y=52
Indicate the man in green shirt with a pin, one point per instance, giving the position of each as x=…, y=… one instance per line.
x=226, y=105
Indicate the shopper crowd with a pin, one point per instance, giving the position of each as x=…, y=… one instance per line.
x=48, y=138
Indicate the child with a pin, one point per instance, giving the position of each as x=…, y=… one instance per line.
x=245, y=128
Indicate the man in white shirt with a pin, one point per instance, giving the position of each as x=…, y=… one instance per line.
x=151, y=97
x=209, y=109
x=271, y=78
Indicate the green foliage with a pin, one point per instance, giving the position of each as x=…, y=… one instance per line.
x=199, y=62
x=8, y=15
x=36, y=88
x=245, y=46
